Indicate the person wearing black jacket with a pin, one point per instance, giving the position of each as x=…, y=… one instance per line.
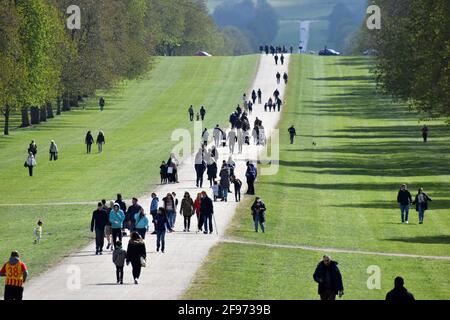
x=136, y=250
x=329, y=278
x=404, y=200
x=206, y=212
x=129, y=216
x=399, y=293
x=123, y=207
x=99, y=220
x=202, y=112
x=259, y=214
x=254, y=96
x=259, y=96
x=89, y=140
x=421, y=202
x=292, y=133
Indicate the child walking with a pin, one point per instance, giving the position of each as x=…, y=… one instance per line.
x=215, y=189
x=119, y=256
x=38, y=232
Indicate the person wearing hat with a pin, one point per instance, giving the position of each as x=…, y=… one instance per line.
x=16, y=274
x=116, y=217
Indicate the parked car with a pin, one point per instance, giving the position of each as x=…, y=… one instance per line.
x=329, y=52
x=370, y=52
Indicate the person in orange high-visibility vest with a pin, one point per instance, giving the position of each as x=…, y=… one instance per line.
x=16, y=274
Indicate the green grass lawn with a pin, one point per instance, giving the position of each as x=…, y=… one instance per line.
x=138, y=121
x=342, y=192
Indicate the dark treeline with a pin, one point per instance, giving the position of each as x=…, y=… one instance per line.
x=47, y=68
x=413, y=53
x=247, y=24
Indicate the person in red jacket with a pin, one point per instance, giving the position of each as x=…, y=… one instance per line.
x=197, y=206
x=16, y=274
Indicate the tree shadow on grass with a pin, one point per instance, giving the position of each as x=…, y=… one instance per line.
x=443, y=239
x=392, y=205
x=349, y=78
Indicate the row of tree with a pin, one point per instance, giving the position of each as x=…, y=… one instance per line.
x=413, y=44
x=247, y=24
x=45, y=65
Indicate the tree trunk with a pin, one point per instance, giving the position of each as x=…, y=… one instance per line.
x=25, y=118
x=58, y=106
x=49, y=109
x=43, y=113
x=35, y=115
x=66, y=102
x=6, y=113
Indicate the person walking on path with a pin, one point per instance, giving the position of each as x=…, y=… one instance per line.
x=89, y=140
x=225, y=182
x=163, y=172
x=259, y=96
x=425, y=132
x=33, y=148
x=197, y=208
x=131, y=212
x=30, y=163
x=203, y=113
x=108, y=227
x=421, y=201
x=329, y=278
x=259, y=214
x=206, y=212
x=232, y=139
x=217, y=134
x=399, y=293
x=254, y=96
x=240, y=140
x=404, y=199
x=279, y=103
x=187, y=211
x=136, y=255
x=53, y=151
x=205, y=137
x=278, y=78
x=251, y=174
x=154, y=208
x=237, y=188
x=100, y=141
x=282, y=59
x=102, y=103
x=276, y=94
x=98, y=223
x=169, y=207
x=292, y=133
x=191, y=113
x=161, y=225
x=276, y=59
x=141, y=223
x=121, y=203
x=285, y=78
x=16, y=273
x=212, y=171
x=200, y=168
x=118, y=257
x=116, y=217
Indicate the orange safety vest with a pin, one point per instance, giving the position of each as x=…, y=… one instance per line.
x=14, y=274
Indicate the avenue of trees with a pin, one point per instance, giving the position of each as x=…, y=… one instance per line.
x=47, y=69
x=413, y=44
x=247, y=24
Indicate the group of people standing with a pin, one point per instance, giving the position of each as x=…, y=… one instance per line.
x=275, y=49
x=200, y=115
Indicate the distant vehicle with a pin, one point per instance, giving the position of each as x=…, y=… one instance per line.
x=329, y=52
x=202, y=54
x=370, y=52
